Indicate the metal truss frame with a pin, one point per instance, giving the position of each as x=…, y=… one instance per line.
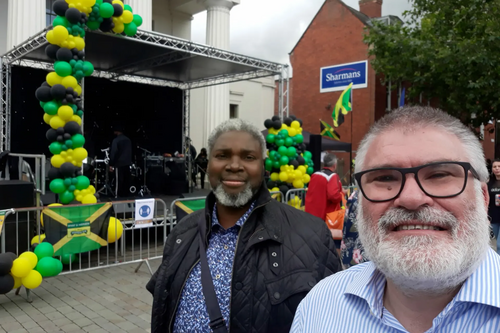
x=180, y=49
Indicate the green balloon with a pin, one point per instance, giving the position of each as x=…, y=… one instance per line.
x=130, y=29
x=307, y=154
x=291, y=151
x=48, y=267
x=66, y=197
x=42, y=104
x=74, y=181
x=310, y=170
x=68, y=258
x=284, y=133
x=82, y=183
x=272, y=155
x=270, y=138
x=57, y=186
x=106, y=10
x=299, y=138
x=284, y=160
x=78, y=140
x=44, y=250
x=288, y=142
x=68, y=143
x=280, y=142
x=276, y=165
x=269, y=164
x=282, y=150
x=51, y=108
x=63, y=68
x=59, y=20
x=67, y=182
x=137, y=20
x=79, y=113
x=99, y=2
x=72, y=188
x=87, y=68
x=127, y=7
x=55, y=148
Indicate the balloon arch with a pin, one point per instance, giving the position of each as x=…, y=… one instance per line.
x=60, y=94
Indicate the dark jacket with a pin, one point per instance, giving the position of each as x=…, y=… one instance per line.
x=121, y=152
x=280, y=255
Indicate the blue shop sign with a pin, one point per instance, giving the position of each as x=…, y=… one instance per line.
x=337, y=78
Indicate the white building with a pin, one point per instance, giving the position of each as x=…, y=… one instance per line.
x=251, y=100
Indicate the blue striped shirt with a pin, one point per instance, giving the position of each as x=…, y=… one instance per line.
x=352, y=301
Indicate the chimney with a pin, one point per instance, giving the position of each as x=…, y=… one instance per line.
x=371, y=8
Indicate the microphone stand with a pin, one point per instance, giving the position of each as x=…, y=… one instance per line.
x=144, y=188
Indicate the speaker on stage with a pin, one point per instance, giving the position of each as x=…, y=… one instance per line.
x=315, y=149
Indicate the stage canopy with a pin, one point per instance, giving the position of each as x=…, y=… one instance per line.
x=326, y=143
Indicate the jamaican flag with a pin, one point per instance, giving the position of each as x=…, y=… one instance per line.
x=184, y=208
x=77, y=229
x=343, y=106
x=327, y=130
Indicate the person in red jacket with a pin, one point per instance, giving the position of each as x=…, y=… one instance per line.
x=324, y=194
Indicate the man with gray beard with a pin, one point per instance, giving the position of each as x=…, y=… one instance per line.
x=422, y=219
x=246, y=261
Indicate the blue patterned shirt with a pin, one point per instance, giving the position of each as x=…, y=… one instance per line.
x=353, y=301
x=192, y=315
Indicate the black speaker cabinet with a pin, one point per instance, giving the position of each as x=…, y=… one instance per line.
x=18, y=194
x=315, y=149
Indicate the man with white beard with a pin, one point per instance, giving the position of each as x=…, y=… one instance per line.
x=422, y=219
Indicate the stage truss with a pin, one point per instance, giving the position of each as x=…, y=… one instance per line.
x=159, y=67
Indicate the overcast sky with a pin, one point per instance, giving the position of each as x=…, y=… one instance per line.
x=269, y=29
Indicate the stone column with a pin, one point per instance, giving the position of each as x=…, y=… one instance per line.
x=217, y=97
x=145, y=9
x=26, y=18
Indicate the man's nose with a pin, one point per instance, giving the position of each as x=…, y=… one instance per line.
x=234, y=163
x=412, y=197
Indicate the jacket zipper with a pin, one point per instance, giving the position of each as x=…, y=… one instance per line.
x=180, y=294
x=232, y=268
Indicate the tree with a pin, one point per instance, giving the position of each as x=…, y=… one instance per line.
x=449, y=51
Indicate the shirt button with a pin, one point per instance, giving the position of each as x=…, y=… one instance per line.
x=274, y=254
x=311, y=283
x=261, y=238
x=217, y=276
x=226, y=247
x=277, y=295
x=275, y=264
x=178, y=241
x=238, y=285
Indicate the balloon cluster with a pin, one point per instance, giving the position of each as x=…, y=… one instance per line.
x=29, y=269
x=288, y=160
x=295, y=202
x=107, y=15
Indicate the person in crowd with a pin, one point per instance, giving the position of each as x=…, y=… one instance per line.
x=494, y=204
x=120, y=161
x=190, y=153
x=489, y=165
x=262, y=256
x=202, y=164
x=422, y=219
x=324, y=194
x=351, y=248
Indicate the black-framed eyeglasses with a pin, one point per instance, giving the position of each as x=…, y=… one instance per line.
x=438, y=180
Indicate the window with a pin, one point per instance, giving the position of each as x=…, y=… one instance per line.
x=49, y=13
x=233, y=111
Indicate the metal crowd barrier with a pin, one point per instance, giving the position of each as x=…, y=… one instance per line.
x=296, y=197
x=136, y=245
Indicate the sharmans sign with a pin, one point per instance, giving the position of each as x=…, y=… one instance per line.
x=337, y=78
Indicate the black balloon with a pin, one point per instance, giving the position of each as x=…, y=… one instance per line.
x=277, y=124
x=69, y=90
x=12, y=255
x=67, y=136
x=301, y=160
x=274, y=118
x=288, y=121
x=60, y=131
x=58, y=91
x=268, y=123
x=6, y=283
x=295, y=163
x=45, y=84
x=43, y=94
x=64, y=102
x=5, y=263
x=54, y=173
x=60, y=139
x=67, y=170
x=271, y=184
x=293, y=117
x=51, y=51
x=118, y=10
x=284, y=189
x=51, y=135
x=108, y=1
x=64, y=54
x=60, y=7
x=73, y=15
x=300, y=122
x=107, y=25
x=81, y=54
x=72, y=128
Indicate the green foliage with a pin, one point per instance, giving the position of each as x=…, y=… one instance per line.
x=449, y=51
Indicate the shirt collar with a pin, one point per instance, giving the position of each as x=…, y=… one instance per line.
x=241, y=220
x=483, y=286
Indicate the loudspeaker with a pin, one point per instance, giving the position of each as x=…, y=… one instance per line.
x=315, y=149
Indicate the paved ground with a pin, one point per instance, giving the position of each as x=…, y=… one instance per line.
x=104, y=300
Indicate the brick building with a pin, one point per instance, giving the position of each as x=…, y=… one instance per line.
x=334, y=37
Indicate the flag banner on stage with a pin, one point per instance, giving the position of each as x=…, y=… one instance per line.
x=327, y=130
x=77, y=229
x=184, y=208
x=144, y=212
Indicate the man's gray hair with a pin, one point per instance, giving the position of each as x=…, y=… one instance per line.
x=238, y=125
x=330, y=160
x=413, y=118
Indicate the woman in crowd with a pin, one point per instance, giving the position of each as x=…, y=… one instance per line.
x=494, y=205
x=201, y=164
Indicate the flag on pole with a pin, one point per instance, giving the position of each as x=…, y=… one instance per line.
x=327, y=130
x=343, y=106
x=402, y=98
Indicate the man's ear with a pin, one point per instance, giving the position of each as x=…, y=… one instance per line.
x=486, y=195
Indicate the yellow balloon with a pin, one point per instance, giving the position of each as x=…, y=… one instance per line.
x=85, y=192
x=31, y=257
x=52, y=78
x=50, y=38
x=65, y=112
x=64, y=154
x=71, y=45
x=57, y=161
x=127, y=17
x=46, y=118
x=57, y=122
x=65, y=44
x=79, y=43
x=284, y=126
x=118, y=2
x=298, y=183
x=77, y=119
x=306, y=178
x=17, y=282
x=283, y=176
x=89, y=199
x=91, y=188
x=292, y=131
x=78, y=89
x=69, y=81
x=119, y=27
x=79, y=197
x=79, y=154
x=38, y=239
x=60, y=33
x=275, y=176
x=32, y=280
x=115, y=230
x=88, y=3
x=298, y=174
x=21, y=267
x=295, y=124
x=275, y=189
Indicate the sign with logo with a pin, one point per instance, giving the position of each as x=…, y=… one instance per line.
x=144, y=212
x=339, y=77
x=78, y=229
